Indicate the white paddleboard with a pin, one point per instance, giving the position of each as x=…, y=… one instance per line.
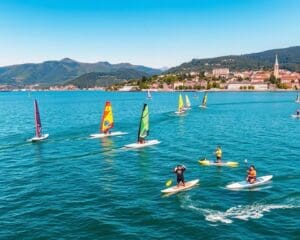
x=244, y=184
x=180, y=113
x=180, y=188
x=103, y=135
x=141, y=145
x=221, y=164
x=295, y=116
x=36, y=139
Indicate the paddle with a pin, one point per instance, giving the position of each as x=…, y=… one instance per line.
x=246, y=162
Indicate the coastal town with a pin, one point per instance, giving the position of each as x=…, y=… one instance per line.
x=225, y=80
x=219, y=79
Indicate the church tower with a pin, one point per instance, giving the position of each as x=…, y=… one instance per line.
x=276, y=68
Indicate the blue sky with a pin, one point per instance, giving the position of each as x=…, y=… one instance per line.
x=147, y=32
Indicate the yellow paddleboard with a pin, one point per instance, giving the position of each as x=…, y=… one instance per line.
x=221, y=164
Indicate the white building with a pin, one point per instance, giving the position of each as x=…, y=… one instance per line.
x=220, y=72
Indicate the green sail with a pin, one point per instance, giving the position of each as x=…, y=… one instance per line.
x=204, y=100
x=144, y=123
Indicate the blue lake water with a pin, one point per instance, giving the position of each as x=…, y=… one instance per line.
x=72, y=187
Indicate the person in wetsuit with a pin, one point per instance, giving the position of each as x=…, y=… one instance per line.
x=179, y=170
x=251, y=174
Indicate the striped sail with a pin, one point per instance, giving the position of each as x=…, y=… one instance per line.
x=107, y=121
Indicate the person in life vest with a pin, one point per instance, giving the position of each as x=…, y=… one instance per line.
x=218, y=153
x=251, y=174
x=179, y=170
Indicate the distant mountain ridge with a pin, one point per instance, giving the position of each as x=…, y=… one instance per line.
x=105, y=79
x=58, y=72
x=289, y=58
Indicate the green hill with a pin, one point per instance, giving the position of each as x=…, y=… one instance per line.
x=289, y=58
x=58, y=72
x=101, y=79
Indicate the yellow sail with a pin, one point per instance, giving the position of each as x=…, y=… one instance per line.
x=107, y=118
x=180, y=104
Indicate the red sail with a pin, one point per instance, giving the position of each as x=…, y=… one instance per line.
x=38, y=124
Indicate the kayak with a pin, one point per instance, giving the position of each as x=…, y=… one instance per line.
x=244, y=184
x=221, y=164
x=181, y=188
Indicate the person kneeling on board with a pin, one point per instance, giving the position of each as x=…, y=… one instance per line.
x=251, y=174
x=179, y=170
x=218, y=153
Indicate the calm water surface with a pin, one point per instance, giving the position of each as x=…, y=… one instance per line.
x=72, y=187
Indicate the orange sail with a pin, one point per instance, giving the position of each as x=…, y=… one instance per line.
x=107, y=119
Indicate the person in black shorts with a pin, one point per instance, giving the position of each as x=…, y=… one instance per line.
x=179, y=170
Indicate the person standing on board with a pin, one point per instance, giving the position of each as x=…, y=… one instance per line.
x=251, y=174
x=179, y=170
x=218, y=153
x=141, y=140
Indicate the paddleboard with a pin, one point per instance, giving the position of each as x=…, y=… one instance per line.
x=201, y=106
x=244, y=184
x=221, y=164
x=295, y=116
x=141, y=145
x=102, y=135
x=180, y=113
x=180, y=188
x=36, y=139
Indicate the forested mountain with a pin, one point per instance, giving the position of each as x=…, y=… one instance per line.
x=57, y=72
x=289, y=58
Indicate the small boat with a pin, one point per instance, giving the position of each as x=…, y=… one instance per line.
x=107, y=123
x=143, y=132
x=180, y=106
x=149, y=95
x=206, y=162
x=176, y=188
x=297, y=98
x=39, y=136
x=204, y=101
x=187, y=103
x=245, y=184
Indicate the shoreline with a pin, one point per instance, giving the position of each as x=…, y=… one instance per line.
x=144, y=90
